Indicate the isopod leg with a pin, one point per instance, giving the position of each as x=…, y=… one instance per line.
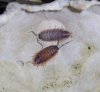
x=57, y=42
x=34, y=33
x=39, y=43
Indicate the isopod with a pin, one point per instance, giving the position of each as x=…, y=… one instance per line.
x=53, y=34
x=45, y=54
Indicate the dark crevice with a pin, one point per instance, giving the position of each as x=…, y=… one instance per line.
x=3, y=6
x=47, y=1
x=28, y=2
x=74, y=9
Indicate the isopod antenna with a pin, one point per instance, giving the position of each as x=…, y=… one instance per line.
x=34, y=33
x=37, y=39
x=65, y=44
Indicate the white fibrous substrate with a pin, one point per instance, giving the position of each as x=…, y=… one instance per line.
x=75, y=68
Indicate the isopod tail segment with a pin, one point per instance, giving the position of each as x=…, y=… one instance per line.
x=44, y=55
x=37, y=39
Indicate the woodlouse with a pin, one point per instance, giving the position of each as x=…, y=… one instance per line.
x=53, y=34
x=45, y=54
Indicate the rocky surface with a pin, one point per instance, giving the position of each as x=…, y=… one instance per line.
x=75, y=68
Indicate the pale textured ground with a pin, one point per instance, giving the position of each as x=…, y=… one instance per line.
x=75, y=68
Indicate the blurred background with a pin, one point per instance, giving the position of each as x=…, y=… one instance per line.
x=3, y=3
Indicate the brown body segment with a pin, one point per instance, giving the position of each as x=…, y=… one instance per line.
x=44, y=55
